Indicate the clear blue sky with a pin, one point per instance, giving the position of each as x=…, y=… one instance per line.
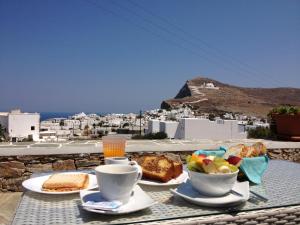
x=126, y=55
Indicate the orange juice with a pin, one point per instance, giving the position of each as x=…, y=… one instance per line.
x=114, y=146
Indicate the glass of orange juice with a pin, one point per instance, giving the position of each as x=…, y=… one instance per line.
x=113, y=146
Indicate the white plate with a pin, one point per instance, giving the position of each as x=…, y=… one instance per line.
x=178, y=180
x=35, y=184
x=187, y=192
x=139, y=200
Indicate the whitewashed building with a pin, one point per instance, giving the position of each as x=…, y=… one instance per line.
x=19, y=126
x=153, y=126
x=169, y=127
x=50, y=125
x=78, y=116
x=199, y=128
x=193, y=128
x=209, y=85
x=71, y=124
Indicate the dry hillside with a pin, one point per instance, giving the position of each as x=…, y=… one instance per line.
x=229, y=98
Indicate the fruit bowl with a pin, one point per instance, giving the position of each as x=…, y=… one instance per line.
x=213, y=184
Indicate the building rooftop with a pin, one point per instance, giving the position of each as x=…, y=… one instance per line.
x=18, y=113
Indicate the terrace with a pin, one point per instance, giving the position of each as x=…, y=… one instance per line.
x=20, y=160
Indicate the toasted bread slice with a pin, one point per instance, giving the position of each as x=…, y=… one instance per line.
x=66, y=182
x=158, y=168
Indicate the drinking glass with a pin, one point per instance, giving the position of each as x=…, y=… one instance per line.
x=113, y=146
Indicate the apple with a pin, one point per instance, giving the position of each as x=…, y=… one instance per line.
x=207, y=161
x=235, y=160
x=209, y=166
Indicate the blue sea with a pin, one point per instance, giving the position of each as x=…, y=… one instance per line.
x=50, y=115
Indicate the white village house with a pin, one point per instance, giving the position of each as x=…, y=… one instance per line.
x=18, y=125
x=199, y=128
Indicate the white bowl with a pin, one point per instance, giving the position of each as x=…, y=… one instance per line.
x=213, y=184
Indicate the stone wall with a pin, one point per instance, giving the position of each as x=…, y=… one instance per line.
x=291, y=154
x=15, y=169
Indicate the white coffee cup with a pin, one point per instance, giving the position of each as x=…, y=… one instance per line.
x=116, y=160
x=117, y=181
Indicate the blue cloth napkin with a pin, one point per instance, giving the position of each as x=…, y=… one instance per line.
x=215, y=152
x=254, y=168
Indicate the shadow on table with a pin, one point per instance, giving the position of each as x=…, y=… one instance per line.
x=148, y=188
x=87, y=216
x=182, y=203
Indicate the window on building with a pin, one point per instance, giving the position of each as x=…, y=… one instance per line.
x=32, y=127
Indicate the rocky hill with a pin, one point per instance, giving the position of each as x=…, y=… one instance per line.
x=205, y=95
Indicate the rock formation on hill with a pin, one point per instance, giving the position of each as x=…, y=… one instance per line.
x=205, y=95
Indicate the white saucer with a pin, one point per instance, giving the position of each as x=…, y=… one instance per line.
x=178, y=180
x=35, y=184
x=139, y=200
x=187, y=192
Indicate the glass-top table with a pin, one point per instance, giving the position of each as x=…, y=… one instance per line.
x=281, y=185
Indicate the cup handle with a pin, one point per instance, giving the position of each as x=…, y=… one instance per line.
x=140, y=171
